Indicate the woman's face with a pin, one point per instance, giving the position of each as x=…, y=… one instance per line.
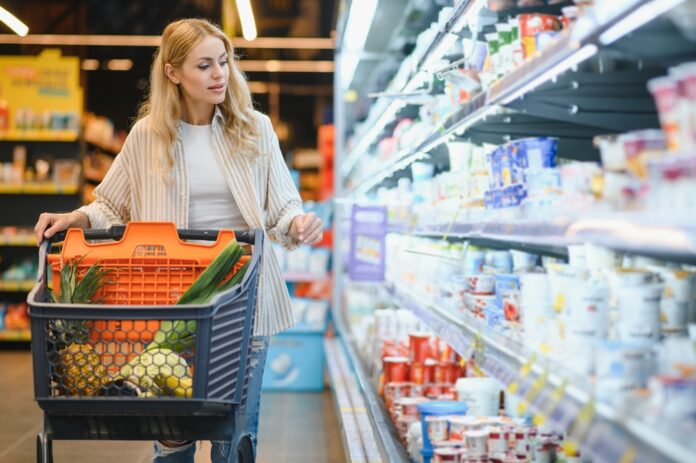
x=204, y=74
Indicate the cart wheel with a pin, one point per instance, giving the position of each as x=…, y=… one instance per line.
x=245, y=450
x=44, y=449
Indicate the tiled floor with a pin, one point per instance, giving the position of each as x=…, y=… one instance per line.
x=300, y=427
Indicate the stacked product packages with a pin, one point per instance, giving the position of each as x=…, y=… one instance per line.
x=627, y=322
x=488, y=57
x=441, y=414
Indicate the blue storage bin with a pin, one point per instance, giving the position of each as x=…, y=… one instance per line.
x=427, y=455
x=438, y=408
x=295, y=361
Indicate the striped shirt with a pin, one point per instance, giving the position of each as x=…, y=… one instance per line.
x=133, y=190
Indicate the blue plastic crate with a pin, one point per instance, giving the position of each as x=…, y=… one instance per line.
x=295, y=361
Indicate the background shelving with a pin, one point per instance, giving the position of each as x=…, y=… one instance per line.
x=589, y=81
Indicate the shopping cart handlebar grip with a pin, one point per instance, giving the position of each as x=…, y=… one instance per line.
x=115, y=232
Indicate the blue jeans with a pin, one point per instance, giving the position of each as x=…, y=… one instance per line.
x=220, y=450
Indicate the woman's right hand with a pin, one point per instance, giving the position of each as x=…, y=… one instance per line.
x=49, y=224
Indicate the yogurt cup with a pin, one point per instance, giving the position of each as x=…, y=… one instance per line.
x=639, y=312
x=476, y=443
x=437, y=427
x=481, y=283
x=666, y=94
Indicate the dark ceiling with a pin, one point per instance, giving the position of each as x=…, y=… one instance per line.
x=305, y=98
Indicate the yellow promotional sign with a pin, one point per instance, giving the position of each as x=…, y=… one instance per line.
x=40, y=97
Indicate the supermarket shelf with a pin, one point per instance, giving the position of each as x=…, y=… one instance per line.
x=359, y=440
x=38, y=189
x=569, y=49
x=386, y=107
x=15, y=335
x=40, y=135
x=18, y=286
x=11, y=242
x=665, y=236
x=611, y=437
x=298, y=277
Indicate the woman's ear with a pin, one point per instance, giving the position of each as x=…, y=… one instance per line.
x=171, y=73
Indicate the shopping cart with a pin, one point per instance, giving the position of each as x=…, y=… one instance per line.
x=78, y=350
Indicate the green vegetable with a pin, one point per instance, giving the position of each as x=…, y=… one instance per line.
x=180, y=335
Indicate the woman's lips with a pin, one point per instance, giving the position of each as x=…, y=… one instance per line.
x=217, y=88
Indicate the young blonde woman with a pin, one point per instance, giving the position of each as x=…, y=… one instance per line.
x=202, y=157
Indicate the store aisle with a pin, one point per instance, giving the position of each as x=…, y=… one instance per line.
x=300, y=427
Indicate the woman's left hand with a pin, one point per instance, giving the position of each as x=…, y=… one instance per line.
x=306, y=229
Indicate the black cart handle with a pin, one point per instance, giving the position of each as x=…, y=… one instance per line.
x=115, y=232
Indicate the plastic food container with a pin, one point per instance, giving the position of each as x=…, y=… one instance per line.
x=639, y=312
x=481, y=395
x=476, y=443
x=531, y=25
x=395, y=369
x=419, y=346
x=507, y=292
x=437, y=428
x=666, y=95
x=481, y=283
x=459, y=425
x=438, y=408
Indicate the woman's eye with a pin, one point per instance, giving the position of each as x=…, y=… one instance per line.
x=203, y=67
x=223, y=63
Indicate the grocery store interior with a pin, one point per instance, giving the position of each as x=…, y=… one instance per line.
x=507, y=271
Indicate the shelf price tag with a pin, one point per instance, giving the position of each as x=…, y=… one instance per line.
x=478, y=354
x=580, y=427
x=629, y=455
x=550, y=406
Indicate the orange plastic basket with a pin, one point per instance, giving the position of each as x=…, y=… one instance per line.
x=150, y=265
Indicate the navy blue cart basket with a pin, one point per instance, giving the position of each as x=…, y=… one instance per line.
x=79, y=350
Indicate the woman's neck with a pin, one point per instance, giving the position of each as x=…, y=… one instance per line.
x=197, y=114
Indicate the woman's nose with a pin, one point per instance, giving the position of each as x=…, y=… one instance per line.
x=217, y=70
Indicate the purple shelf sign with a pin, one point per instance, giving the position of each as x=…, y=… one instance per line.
x=367, y=247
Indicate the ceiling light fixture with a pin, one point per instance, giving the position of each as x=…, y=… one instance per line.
x=360, y=17
x=90, y=65
x=119, y=65
x=246, y=16
x=17, y=26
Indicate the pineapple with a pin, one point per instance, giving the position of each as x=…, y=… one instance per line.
x=64, y=333
x=80, y=371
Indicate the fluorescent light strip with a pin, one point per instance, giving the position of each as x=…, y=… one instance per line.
x=636, y=19
x=246, y=16
x=358, y=25
x=576, y=58
x=13, y=22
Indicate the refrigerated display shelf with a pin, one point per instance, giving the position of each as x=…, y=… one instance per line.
x=16, y=286
x=18, y=242
x=666, y=236
x=610, y=436
x=568, y=50
x=369, y=434
x=15, y=335
x=385, y=108
x=40, y=135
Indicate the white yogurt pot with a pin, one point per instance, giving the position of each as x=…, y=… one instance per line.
x=481, y=395
x=639, y=312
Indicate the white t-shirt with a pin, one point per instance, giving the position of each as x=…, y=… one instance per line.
x=211, y=204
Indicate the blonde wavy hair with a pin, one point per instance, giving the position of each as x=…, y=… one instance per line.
x=163, y=104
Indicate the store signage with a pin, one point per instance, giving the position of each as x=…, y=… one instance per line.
x=40, y=95
x=367, y=243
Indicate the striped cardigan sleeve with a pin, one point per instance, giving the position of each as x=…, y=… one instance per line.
x=112, y=203
x=283, y=202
